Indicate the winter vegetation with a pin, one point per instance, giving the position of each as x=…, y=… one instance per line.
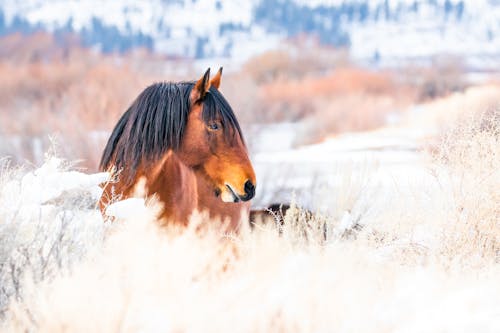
x=384, y=179
x=426, y=260
x=78, y=94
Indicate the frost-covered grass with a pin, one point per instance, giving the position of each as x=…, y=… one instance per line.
x=427, y=260
x=47, y=222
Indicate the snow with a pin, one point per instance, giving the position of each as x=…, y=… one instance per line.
x=48, y=182
x=39, y=196
x=176, y=26
x=372, y=172
x=424, y=34
x=48, y=208
x=387, y=157
x=132, y=208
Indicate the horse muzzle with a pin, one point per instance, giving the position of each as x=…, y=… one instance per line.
x=229, y=194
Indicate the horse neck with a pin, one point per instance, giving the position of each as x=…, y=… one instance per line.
x=175, y=185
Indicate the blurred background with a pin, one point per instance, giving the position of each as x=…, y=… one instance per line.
x=314, y=84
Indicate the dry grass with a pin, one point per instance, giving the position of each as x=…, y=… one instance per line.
x=73, y=95
x=442, y=114
x=66, y=100
x=146, y=280
x=76, y=96
x=427, y=261
x=47, y=223
x=471, y=154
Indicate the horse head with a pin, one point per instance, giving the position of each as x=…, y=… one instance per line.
x=184, y=140
x=212, y=143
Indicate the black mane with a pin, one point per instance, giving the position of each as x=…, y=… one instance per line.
x=155, y=123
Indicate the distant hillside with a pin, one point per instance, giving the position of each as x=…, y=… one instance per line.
x=378, y=33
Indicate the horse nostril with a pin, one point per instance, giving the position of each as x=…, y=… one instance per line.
x=249, y=186
x=249, y=189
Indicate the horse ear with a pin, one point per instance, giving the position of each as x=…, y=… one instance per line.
x=201, y=87
x=215, y=82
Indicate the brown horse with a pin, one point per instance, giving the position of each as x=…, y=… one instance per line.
x=184, y=141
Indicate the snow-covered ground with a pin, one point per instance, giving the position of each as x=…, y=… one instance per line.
x=387, y=160
x=405, y=244
x=391, y=33
x=395, y=278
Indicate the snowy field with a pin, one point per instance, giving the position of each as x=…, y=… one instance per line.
x=401, y=241
x=382, y=160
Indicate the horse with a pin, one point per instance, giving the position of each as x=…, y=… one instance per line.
x=183, y=142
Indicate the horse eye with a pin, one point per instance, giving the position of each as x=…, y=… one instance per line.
x=214, y=126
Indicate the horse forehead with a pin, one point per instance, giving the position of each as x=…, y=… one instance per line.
x=212, y=110
x=196, y=109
